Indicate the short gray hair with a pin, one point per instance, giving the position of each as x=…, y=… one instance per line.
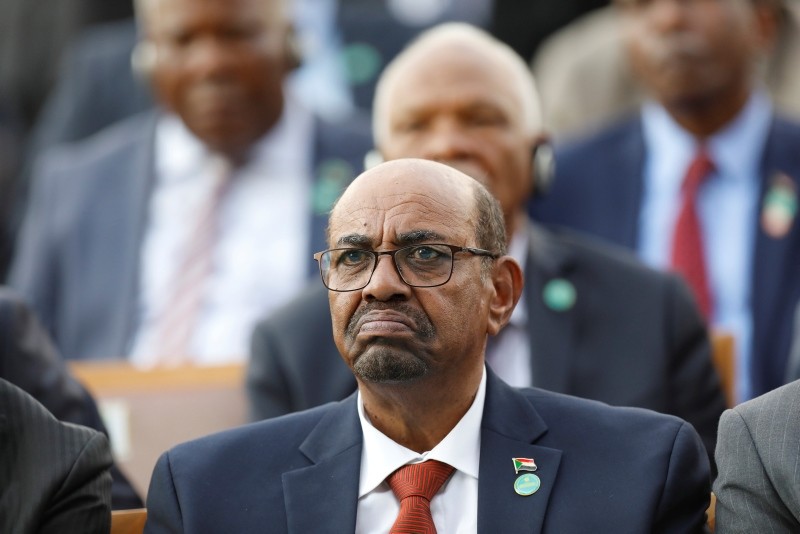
x=458, y=32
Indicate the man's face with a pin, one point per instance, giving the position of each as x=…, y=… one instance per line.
x=389, y=332
x=460, y=106
x=692, y=51
x=220, y=66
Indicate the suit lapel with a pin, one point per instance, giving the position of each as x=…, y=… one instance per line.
x=132, y=198
x=773, y=262
x=326, y=493
x=552, y=331
x=625, y=186
x=510, y=427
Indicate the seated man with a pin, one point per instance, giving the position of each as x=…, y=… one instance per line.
x=419, y=277
x=146, y=240
x=29, y=360
x=758, y=487
x=54, y=476
x=593, y=322
x=705, y=180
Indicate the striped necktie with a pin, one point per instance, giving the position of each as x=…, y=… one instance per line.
x=190, y=283
x=414, y=485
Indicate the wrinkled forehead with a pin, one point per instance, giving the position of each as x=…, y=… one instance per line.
x=403, y=211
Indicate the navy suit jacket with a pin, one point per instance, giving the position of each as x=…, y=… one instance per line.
x=602, y=469
x=598, y=189
x=78, y=254
x=632, y=338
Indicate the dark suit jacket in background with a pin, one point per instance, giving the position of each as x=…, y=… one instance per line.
x=53, y=476
x=602, y=469
x=29, y=360
x=598, y=189
x=758, y=488
x=633, y=338
x=78, y=255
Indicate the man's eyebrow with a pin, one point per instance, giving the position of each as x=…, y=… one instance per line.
x=354, y=240
x=418, y=236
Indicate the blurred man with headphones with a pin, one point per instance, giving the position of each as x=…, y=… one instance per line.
x=592, y=321
x=165, y=237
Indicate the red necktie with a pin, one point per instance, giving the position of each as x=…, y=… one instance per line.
x=414, y=486
x=688, y=257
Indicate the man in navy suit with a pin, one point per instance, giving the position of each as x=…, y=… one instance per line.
x=146, y=240
x=699, y=63
x=419, y=277
x=593, y=321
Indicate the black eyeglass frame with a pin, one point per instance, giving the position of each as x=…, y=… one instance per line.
x=376, y=255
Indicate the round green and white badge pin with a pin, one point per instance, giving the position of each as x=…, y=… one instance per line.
x=559, y=294
x=527, y=484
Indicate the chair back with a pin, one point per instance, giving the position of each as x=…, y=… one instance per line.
x=128, y=521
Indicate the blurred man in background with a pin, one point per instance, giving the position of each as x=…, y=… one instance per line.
x=705, y=179
x=148, y=240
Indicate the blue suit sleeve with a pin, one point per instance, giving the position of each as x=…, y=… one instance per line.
x=163, y=509
x=687, y=490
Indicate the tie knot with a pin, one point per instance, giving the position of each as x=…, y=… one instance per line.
x=699, y=169
x=422, y=480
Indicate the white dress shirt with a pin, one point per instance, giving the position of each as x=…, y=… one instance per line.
x=727, y=204
x=260, y=259
x=455, y=507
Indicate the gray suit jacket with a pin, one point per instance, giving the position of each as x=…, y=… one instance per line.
x=54, y=476
x=78, y=255
x=632, y=338
x=758, y=456
x=29, y=360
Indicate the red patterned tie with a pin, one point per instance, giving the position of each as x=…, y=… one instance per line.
x=414, y=486
x=688, y=257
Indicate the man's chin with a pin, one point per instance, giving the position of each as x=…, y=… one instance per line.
x=388, y=365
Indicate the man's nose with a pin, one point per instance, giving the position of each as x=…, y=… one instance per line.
x=667, y=15
x=386, y=283
x=210, y=56
x=447, y=141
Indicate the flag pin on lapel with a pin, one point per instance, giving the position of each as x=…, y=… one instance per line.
x=527, y=483
x=780, y=206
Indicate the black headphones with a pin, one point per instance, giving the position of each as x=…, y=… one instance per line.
x=543, y=168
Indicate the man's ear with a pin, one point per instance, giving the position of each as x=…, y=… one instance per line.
x=508, y=282
x=293, y=49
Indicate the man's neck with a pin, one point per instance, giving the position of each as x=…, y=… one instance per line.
x=417, y=415
x=705, y=117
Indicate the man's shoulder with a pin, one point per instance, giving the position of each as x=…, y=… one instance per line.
x=274, y=442
x=765, y=408
x=588, y=416
x=40, y=433
x=583, y=428
x=116, y=143
x=584, y=253
x=601, y=142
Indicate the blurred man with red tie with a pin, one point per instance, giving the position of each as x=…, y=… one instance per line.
x=705, y=179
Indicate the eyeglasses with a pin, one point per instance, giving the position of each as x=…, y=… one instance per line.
x=428, y=265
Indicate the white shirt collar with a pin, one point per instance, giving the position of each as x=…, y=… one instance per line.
x=180, y=155
x=461, y=448
x=736, y=149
